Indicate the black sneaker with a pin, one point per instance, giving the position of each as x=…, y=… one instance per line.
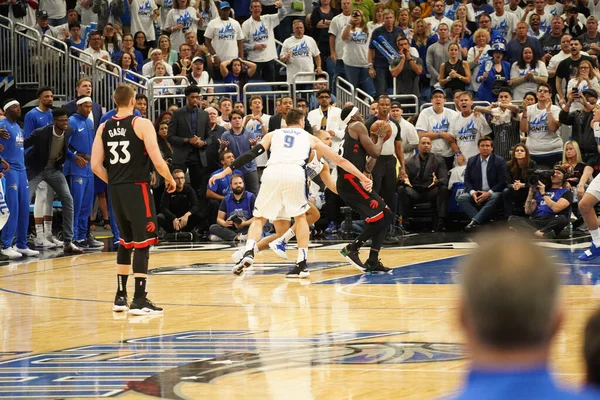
x=352, y=257
x=120, y=303
x=376, y=268
x=246, y=262
x=299, y=271
x=143, y=306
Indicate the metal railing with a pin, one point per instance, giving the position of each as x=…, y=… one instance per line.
x=363, y=101
x=308, y=92
x=7, y=48
x=344, y=92
x=408, y=102
x=27, y=56
x=269, y=97
x=106, y=77
x=162, y=96
x=52, y=68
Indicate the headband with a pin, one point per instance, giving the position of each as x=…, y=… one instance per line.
x=10, y=104
x=347, y=119
x=84, y=100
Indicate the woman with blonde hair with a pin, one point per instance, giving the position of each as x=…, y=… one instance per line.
x=573, y=162
x=420, y=41
x=168, y=54
x=587, y=77
x=457, y=35
x=404, y=22
x=378, y=20
x=461, y=15
x=478, y=54
x=356, y=35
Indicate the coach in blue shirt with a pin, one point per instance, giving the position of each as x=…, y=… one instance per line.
x=510, y=312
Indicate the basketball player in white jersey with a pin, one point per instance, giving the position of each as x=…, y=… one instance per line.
x=283, y=185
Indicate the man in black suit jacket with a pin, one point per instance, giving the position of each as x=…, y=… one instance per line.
x=44, y=160
x=427, y=180
x=485, y=179
x=84, y=88
x=287, y=103
x=188, y=134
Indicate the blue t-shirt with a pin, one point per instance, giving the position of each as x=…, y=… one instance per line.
x=35, y=119
x=113, y=112
x=543, y=210
x=13, y=146
x=239, y=144
x=242, y=207
x=223, y=186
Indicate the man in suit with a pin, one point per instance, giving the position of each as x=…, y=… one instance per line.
x=84, y=89
x=485, y=178
x=278, y=121
x=47, y=152
x=426, y=180
x=189, y=131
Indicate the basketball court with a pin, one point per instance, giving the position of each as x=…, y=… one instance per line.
x=336, y=335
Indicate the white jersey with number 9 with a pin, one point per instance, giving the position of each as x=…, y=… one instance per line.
x=289, y=146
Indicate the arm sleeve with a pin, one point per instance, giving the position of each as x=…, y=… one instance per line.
x=248, y=156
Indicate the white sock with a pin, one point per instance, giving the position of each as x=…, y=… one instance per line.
x=301, y=255
x=288, y=235
x=48, y=228
x=39, y=231
x=595, y=237
x=249, y=245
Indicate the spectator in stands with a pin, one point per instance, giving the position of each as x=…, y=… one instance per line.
x=257, y=121
x=17, y=189
x=435, y=123
x=200, y=77
x=527, y=73
x=77, y=168
x=169, y=55
x=95, y=52
x=437, y=54
x=477, y=55
x=181, y=19
x=208, y=10
x=224, y=37
x=225, y=107
x=551, y=41
x=63, y=29
x=337, y=43
x=141, y=104
x=510, y=312
x=140, y=44
x=495, y=77
x=108, y=11
x=313, y=102
x=455, y=73
x=356, y=54
x=240, y=141
x=503, y=22
x=462, y=15
x=515, y=46
x=327, y=118
x=165, y=7
x=128, y=48
x=581, y=121
x=548, y=206
x=184, y=64
x=438, y=17
x=55, y=10
x=235, y=213
x=591, y=354
x=426, y=181
x=237, y=71
x=477, y=8
x=541, y=123
x=535, y=28
x=590, y=40
x=111, y=39
x=278, y=121
x=298, y=52
x=74, y=39
x=302, y=105
x=162, y=84
x=574, y=21
x=482, y=190
x=408, y=70
x=379, y=66
x=568, y=68
x=47, y=149
x=408, y=132
x=42, y=25
x=222, y=187
x=83, y=88
x=180, y=210
x=320, y=20
x=214, y=144
x=467, y=128
x=574, y=164
x=166, y=152
x=188, y=133
x=143, y=13
x=128, y=66
x=259, y=39
x=156, y=58
x=520, y=168
x=40, y=117
x=585, y=78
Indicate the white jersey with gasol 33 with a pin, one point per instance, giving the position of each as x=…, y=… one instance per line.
x=289, y=146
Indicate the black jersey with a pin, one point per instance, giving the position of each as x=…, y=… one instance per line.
x=352, y=150
x=125, y=155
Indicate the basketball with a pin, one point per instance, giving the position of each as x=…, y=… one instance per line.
x=377, y=127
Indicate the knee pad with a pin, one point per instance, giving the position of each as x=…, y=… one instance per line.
x=123, y=256
x=140, y=260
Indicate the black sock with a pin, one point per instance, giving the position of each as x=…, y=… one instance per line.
x=140, y=288
x=373, y=256
x=122, y=284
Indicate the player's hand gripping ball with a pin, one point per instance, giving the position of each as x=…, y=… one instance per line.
x=381, y=129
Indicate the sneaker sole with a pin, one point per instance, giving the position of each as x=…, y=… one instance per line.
x=278, y=253
x=298, y=276
x=351, y=262
x=120, y=308
x=144, y=311
x=246, y=262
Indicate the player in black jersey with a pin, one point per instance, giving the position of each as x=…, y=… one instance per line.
x=355, y=147
x=130, y=147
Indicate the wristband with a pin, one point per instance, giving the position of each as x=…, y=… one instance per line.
x=458, y=153
x=439, y=135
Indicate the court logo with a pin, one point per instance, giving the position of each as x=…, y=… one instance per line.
x=160, y=366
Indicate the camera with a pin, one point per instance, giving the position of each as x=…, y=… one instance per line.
x=236, y=219
x=541, y=175
x=355, y=14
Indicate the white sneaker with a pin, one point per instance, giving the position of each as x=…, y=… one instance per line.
x=10, y=253
x=214, y=238
x=238, y=255
x=43, y=243
x=27, y=252
x=53, y=239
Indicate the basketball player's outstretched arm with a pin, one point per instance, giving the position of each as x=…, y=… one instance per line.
x=145, y=130
x=328, y=179
x=341, y=162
